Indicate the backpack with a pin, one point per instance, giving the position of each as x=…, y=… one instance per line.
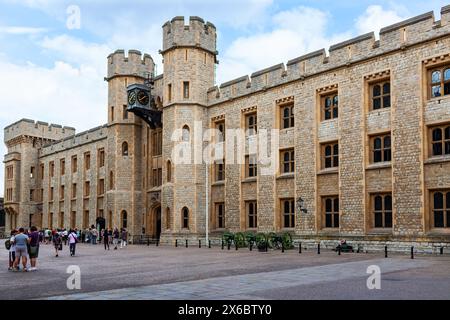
x=8, y=244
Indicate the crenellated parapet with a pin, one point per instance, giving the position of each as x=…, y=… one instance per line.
x=38, y=129
x=196, y=34
x=399, y=36
x=135, y=64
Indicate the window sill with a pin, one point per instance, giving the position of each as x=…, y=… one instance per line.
x=289, y=175
x=379, y=231
x=437, y=100
x=438, y=159
x=328, y=171
x=379, y=111
x=218, y=183
x=286, y=130
x=329, y=231
x=380, y=165
x=439, y=232
x=249, y=180
x=157, y=188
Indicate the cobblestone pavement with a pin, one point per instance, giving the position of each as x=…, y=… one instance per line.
x=141, y=272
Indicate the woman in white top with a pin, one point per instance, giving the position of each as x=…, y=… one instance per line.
x=73, y=239
x=12, y=250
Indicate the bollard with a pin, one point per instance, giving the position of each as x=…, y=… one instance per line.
x=318, y=248
x=412, y=252
x=300, y=247
x=209, y=244
x=187, y=243
x=442, y=250
x=229, y=245
x=236, y=245
x=251, y=245
x=157, y=242
x=222, y=244
x=199, y=244
x=282, y=247
x=148, y=242
x=176, y=243
x=385, y=252
x=339, y=250
x=267, y=246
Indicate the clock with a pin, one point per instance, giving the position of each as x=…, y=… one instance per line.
x=143, y=97
x=132, y=97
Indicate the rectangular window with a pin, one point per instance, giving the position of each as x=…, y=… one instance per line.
x=74, y=164
x=52, y=169
x=220, y=170
x=87, y=161
x=87, y=189
x=331, y=211
x=330, y=155
x=440, y=201
x=32, y=172
x=61, y=193
x=157, y=177
x=287, y=116
x=101, y=158
x=439, y=81
x=101, y=187
x=125, y=113
x=41, y=171
x=382, y=210
x=220, y=127
x=32, y=195
x=51, y=195
x=380, y=95
x=252, y=214
x=112, y=114
x=440, y=140
x=9, y=172
x=288, y=213
x=287, y=161
x=220, y=215
x=169, y=92
x=86, y=219
x=74, y=190
x=186, y=90
x=381, y=148
x=251, y=166
x=251, y=124
x=9, y=194
x=329, y=104
x=157, y=143
x=62, y=168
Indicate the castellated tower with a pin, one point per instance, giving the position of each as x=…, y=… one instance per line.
x=125, y=199
x=189, y=55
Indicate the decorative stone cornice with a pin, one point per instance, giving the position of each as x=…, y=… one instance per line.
x=378, y=75
x=249, y=109
x=218, y=118
x=438, y=59
x=285, y=100
x=327, y=89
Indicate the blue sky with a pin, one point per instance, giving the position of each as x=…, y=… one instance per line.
x=51, y=73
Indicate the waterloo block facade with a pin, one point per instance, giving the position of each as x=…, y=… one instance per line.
x=364, y=142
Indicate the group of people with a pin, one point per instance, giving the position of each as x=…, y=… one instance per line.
x=24, y=244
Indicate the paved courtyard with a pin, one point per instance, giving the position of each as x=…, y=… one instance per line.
x=141, y=272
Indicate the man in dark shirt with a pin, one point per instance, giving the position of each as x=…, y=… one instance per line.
x=34, y=248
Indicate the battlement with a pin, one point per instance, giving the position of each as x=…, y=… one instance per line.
x=38, y=129
x=399, y=36
x=195, y=34
x=74, y=141
x=133, y=64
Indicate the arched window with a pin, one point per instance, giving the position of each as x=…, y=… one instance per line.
x=440, y=82
x=185, y=217
x=124, y=219
x=441, y=209
x=330, y=107
x=168, y=219
x=125, y=149
x=111, y=180
x=382, y=209
x=169, y=171
x=440, y=141
x=186, y=134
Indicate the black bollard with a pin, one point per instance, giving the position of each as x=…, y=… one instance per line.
x=251, y=245
x=199, y=244
x=176, y=243
x=300, y=247
x=267, y=246
x=236, y=245
x=157, y=242
x=282, y=247
x=385, y=252
x=187, y=243
x=412, y=252
x=442, y=250
x=148, y=242
x=339, y=250
x=209, y=244
x=318, y=248
x=229, y=245
x=222, y=245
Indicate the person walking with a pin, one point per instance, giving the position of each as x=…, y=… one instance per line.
x=57, y=242
x=34, y=248
x=12, y=250
x=21, y=242
x=73, y=239
x=94, y=233
x=116, y=236
x=124, y=237
x=106, y=238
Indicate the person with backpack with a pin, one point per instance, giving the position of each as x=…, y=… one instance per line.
x=116, y=236
x=106, y=238
x=9, y=245
x=57, y=242
x=124, y=237
x=73, y=239
x=21, y=242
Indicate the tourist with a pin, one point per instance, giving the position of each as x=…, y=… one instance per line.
x=73, y=239
x=124, y=237
x=116, y=235
x=34, y=248
x=106, y=238
x=21, y=241
x=94, y=233
x=47, y=235
x=110, y=236
x=57, y=242
x=12, y=250
x=65, y=235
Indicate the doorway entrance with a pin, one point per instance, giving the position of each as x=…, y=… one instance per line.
x=158, y=222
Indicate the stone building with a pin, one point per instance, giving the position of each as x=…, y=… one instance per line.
x=362, y=145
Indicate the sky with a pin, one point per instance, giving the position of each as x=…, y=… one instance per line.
x=53, y=52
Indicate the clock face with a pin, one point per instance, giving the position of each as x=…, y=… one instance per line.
x=143, y=97
x=131, y=98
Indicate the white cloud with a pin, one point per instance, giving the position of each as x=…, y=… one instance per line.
x=375, y=18
x=21, y=30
